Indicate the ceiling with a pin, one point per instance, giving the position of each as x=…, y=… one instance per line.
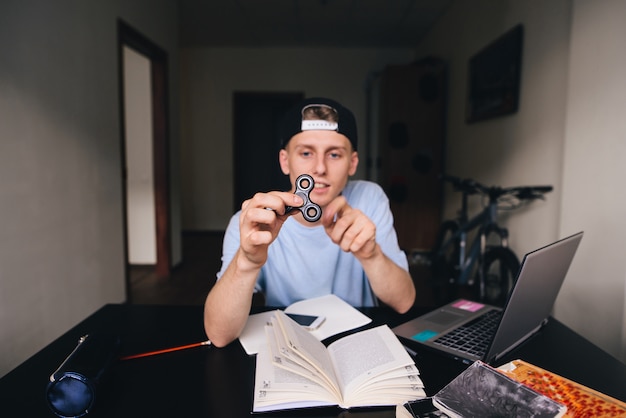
x=307, y=23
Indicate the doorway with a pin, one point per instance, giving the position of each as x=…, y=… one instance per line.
x=140, y=205
x=154, y=166
x=256, y=119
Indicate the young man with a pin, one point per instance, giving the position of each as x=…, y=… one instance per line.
x=351, y=251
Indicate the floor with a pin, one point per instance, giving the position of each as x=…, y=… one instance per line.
x=194, y=277
x=191, y=280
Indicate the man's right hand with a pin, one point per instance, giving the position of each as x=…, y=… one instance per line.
x=260, y=220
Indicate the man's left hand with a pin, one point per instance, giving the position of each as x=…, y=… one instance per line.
x=349, y=228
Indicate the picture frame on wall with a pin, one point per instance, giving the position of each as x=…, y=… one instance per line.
x=494, y=75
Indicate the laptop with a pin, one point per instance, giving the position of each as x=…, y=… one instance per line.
x=450, y=329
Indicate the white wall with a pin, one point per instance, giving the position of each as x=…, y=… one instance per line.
x=209, y=78
x=61, y=239
x=592, y=299
x=569, y=132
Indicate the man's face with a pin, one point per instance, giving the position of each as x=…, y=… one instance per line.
x=325, y=155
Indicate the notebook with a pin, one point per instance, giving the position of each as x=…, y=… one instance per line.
x=450, y=329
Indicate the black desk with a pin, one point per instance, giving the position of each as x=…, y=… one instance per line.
x=212, y=382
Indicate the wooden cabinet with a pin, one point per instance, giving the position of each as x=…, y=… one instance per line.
x=411, y=133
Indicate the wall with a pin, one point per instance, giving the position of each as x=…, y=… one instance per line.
x=569, y=132
x=524, y=148
x=592, y=299
x=209, y=78
x=61, y=240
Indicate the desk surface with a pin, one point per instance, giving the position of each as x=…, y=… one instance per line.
x=213, y=382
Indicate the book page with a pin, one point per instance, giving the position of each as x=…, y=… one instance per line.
x=299, y=342
x=371, y=356
x=406, y=384
x=387, y=392
x=281, y=356
x=278, y=388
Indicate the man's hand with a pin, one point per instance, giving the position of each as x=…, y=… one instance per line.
x=261, y=218
x=350, y=228
x=353, y=231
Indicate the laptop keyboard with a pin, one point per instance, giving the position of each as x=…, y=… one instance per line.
x=473, y=337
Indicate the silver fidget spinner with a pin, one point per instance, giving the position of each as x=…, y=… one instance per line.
x=312, y=212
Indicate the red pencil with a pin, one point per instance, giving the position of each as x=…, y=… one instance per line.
x=166, y=350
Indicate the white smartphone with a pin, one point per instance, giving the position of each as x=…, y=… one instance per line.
x=309, y=322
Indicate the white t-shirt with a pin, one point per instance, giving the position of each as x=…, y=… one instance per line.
x=304, y=263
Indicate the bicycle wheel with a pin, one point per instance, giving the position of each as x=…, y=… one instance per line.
x=445, y=255
x=499, y=269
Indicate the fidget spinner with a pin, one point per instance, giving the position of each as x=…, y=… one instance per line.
x=312, y=212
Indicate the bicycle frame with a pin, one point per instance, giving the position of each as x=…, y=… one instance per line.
x=486, y=224
x=454, y=262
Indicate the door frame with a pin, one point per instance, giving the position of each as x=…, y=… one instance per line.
x=127, y=36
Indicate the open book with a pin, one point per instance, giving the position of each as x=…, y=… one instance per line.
x=368, y=368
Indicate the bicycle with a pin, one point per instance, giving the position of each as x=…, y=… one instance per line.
x=493, y=267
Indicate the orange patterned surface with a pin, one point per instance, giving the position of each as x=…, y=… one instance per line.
x=580, y=400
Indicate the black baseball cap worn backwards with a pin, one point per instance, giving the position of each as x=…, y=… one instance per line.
x=293, y=123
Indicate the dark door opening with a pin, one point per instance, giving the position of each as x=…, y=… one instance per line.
x=256, y=117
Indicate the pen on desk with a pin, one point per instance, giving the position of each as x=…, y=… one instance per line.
x=166, y=350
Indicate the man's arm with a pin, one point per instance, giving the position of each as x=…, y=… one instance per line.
x=391, y=284
x=354, y=232
x=228, y=303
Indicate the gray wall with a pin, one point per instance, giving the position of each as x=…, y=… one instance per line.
x=570, y=131
x=61, y=240
x=593, y=297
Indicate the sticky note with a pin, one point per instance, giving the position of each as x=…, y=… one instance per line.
x=424, y=335
x=468, y=305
